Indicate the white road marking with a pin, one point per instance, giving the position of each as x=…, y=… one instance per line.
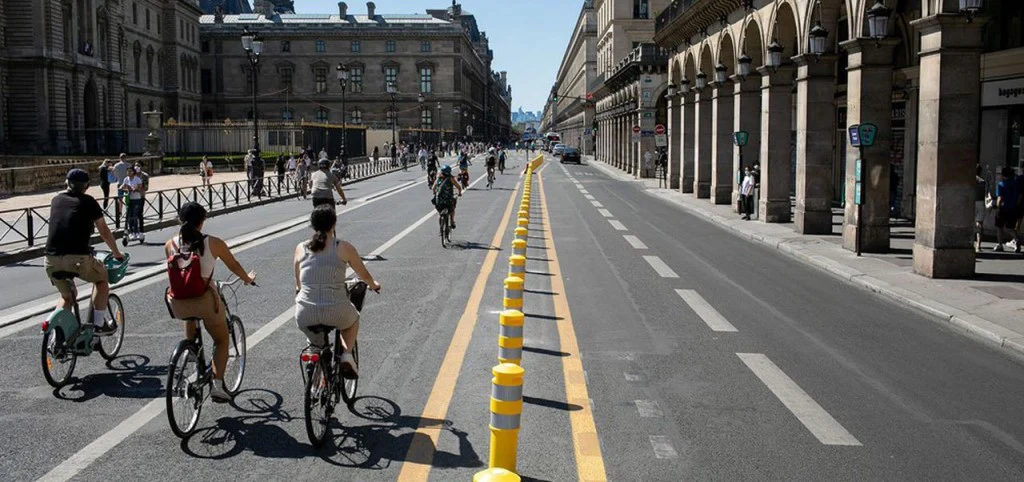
x=90, y=453
x=584, y=191
x=633, y=377
x=825, y=428
x=589, y=197
x=648, y=408
x=663, y=447
x=597, y=204
x=663, y=270
x=617, y=225
x=634, y=241
x=604, y=212
x=705, y=311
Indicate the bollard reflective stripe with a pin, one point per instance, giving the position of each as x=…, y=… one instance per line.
x=519, y=247
x=507, y=331
x=507, y=393
x=506, y=413
x=521, y=233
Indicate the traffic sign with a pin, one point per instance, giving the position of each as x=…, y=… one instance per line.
x=868, y=133
x=858, y=176
x=740, y=138
x=855, y=136
x=659, y=129
x=636, y=134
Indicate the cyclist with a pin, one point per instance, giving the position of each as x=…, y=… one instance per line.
x=501, y=161
x=444, y=193
x=492, y=162
x=432, y=170
x=321, y=297
x=324, y=184
x=208, y=307
x=73, y=216
x=464, y=164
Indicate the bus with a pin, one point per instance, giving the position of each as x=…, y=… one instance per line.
x=550, y=139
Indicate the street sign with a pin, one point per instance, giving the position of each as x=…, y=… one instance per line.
x=659, y=129
x=855, y=136
x=636, y=134
x=858, y=176
x=867, y=134
x=741, y=137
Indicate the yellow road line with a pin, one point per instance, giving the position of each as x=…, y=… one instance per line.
x=587, y=447
x=420, y=456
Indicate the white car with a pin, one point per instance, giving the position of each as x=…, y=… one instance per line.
x=558, y=149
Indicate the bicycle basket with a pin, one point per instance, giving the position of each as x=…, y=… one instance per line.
x=115, y=269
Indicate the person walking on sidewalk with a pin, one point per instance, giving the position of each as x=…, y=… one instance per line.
x=747, y=194
x=980, y=208
x=206, y=171
x=106, y=175
x=1006, y=209
x=376, y=155
x=280, y=166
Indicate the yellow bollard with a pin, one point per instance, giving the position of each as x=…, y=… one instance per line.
x=513, y=293
x=506, y=411
x=517, y=267
x=523, y=222
x=496, y=475
x=519, y=247
x=510, y=338
x=524, y=214
x=521, y=233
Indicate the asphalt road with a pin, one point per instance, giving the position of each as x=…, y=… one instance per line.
x=704, y=357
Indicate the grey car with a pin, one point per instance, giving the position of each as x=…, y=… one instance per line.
x=571, y=154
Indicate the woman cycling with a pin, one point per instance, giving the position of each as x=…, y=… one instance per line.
x=321, y=295
x=209, y=307
x=444, y=193
x=324, y=184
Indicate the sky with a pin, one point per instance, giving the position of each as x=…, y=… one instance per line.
x=528, y=37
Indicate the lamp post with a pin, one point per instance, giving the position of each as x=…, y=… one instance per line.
x=392, y=91
x=440, y=129
x=343, y=81
x=421, y=99
x=253, y=46
x=775, y=50
x=878, y=20
x=456, y=126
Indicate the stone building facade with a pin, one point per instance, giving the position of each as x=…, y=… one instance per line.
x=572, y=114
x=441, y=55
x=76, y=74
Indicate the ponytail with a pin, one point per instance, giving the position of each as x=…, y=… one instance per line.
x=318, y=242
x=191, y=216
x=323, y=219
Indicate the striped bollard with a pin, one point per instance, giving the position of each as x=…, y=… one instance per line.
x=517, y=267
x=521, y=234
x=513, y=294
x=510, y=338
x=496, y=475
x=506, y=412
x=523, y=213
x=519, y=247
x=523, y=222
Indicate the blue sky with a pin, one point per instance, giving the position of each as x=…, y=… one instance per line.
x=528, y=37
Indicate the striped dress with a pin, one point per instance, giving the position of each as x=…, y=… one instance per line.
x=323, y=298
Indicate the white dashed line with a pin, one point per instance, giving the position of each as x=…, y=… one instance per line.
x=663, y=270
x=606, y=213
x=597, y=204
x=825, y=428
x=648, y=408
x=705, y=311
x=663, y=447
x=617, y=225
x=589, y=197
x=634, y=241
x=584, y=191
x=633, y=377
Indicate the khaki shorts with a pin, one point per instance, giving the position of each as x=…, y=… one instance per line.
x=85, y=266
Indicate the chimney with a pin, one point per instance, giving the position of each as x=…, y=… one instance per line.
x=343, y=10
x=371, y=10
x=218, y=14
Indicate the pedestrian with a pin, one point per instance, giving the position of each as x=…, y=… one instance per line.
x=423, y=154
x=323, y=153
x=280, y=165
x=131, y=186
x=376, y=155
x=258, y=171
x=105, y=177
x=663, y=165
x=206, y=171
x=121, y=171
x=747, y=194
x=291, y=166
x=982, y=199
x=648, y=161
x=1006, y=209
x=141, y=173
x=301, y=172
x=247, y=160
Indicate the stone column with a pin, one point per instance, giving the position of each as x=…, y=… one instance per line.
x=675, y=145
x=776, y=143
x=747, y=117
x=948, y=134
x=815, y=142
x=869, y=100
x=702, y=145
x=722, y=144
x=688, y=138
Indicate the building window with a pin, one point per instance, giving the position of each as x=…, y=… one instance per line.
x=390, y=76
x=321, y=115
x=206, y=46
x=1005, y=29
x=207, y=81
x=135, y=14
x=287, y=114
x=286, y=79
x=138, y=63
x=149, y=67
x=286, y=46
x=355, y=77
x=357, y=46
x=391, y=46
x=356, y=117
x=147, y=19
x=320, y=78
x=425, y=46
x=138, y=113
x=158, y=23
x=426, y=119
x=641, y=9
x=321, y=46
x=426, y=80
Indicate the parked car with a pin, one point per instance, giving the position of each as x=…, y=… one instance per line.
x=571, y=154
x=558, y=149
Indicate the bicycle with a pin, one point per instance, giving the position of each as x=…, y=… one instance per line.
x=189, y=376
x=446, y=228
x=323, y=384
x=65, y=337
x=431, y=178
x=490, y=177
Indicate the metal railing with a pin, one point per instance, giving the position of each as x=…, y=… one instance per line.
x=26, y=228
x=673, y=10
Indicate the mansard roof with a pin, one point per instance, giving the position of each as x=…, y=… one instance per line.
x=314, y=19
x=228, y=7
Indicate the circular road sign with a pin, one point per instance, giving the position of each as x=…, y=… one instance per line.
x=659, y=129
x=636, y=129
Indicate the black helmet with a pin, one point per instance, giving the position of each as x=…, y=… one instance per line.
x=78, y=176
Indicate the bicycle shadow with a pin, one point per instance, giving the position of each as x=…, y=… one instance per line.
x=256, y=429
x=387, y=436
x=132, y=377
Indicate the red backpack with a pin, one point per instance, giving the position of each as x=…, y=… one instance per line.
x=186, y=278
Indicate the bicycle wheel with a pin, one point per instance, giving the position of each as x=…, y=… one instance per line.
x=58, y=361
x=235, y=369
x=348, y=391
x=443, y=224
x=110, y=346
x=316, y=405
x=184, y=391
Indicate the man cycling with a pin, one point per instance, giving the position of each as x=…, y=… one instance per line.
x=73, y=216
x=444, y=193
x=501, y=161
x=464, y=164
x=431, y=170
x=492, y=162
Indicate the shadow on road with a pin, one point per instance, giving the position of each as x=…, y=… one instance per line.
x=543, y=351
x=257, y=430
x=556, y=404
x=132, y=377
x=467, y=245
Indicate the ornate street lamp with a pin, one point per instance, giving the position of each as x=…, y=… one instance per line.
x=684, y=86
x=393, y=91
x=878, y=20
x=420, y=99
x=671, y=92
x=775, y=50
x=343, y=81
x=743, y=65
x=702, y=80
x=720, y=73
x=818, y=39
x=253, y=46
x=970, y=8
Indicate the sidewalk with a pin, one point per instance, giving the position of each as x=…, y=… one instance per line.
x=989, y=308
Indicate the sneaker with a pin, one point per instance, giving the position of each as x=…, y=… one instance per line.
x=218, y=394
x=998, y=248
x=348, y=367
x=106, y=329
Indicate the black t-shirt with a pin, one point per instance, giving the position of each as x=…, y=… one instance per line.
x=72, y=221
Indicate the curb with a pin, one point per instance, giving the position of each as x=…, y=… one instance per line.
x=974, y=327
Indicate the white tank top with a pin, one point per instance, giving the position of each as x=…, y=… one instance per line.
x=207, y=261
